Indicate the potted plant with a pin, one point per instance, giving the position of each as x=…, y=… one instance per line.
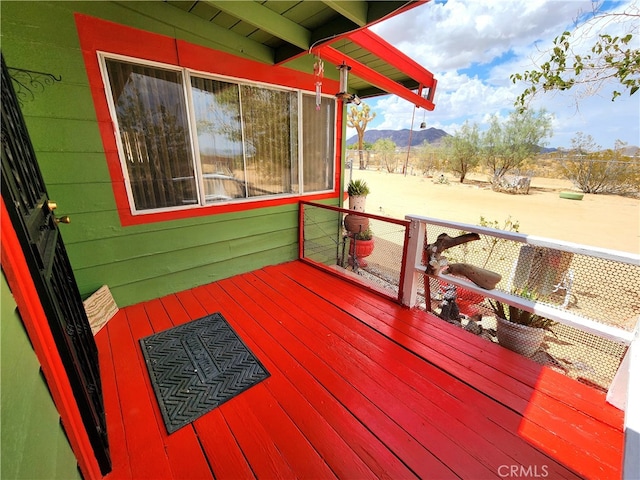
x=358, y=191
x=518, y=329
x=360, y=246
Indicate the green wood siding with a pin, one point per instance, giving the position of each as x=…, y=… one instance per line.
x=136, y=262
x=32, y=442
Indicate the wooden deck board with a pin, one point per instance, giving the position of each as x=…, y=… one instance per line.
x=115, y=425
x=508, y=378
x=364, y=410
x=318, y=414
x=505, y=376
x=436, y=428
x=453, y=416
x=359, y=388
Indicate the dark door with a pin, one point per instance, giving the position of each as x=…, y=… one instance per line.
x=33, y=219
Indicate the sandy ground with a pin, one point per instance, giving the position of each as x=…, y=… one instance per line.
x=606, y=221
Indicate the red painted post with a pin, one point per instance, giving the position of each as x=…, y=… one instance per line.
x=35, y=321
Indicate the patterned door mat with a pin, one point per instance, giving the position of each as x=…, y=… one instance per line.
x=197, y=366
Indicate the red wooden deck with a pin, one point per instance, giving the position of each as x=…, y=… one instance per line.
x=359, y=388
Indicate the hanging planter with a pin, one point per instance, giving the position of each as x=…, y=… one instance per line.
x=357, y=203
x=356, y=223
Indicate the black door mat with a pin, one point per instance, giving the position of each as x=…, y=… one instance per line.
x=197, y=366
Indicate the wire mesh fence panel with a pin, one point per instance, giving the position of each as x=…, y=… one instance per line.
x=322, y=235
x=372, y=253
x=569, y=279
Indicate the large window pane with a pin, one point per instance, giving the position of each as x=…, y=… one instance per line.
x=150, y=109
x=318, y=126
x=217, y=111
x=247, y=138
x=270, y=145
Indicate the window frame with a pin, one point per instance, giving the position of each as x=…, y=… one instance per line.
x=186, y=74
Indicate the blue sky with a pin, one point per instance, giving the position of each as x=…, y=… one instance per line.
x=473, y=47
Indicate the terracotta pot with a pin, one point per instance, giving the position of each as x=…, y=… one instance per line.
x=356, y=223
x=357, y=202
x=519, y=338
x=363, y=248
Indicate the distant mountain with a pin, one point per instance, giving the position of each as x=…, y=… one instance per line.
x=548, y=149
x=435, y=136
x=401, y=137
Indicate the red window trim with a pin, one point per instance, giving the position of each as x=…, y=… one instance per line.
x=98, y=35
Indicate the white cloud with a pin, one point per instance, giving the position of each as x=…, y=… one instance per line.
x=473, y=47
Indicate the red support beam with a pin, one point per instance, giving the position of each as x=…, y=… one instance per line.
x=368, y=40
x=384, y=83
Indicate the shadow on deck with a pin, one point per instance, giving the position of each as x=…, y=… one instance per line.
x=360, y=388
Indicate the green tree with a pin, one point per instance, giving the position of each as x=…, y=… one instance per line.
x=506, y=146
x=359, y=118
x=463, y=150
x=386, y=148
x=610, y=59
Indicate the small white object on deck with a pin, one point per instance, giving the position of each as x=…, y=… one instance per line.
x=100, y=308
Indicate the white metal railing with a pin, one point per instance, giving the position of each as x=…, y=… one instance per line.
x=625, y=395
x=415, y=269
x=631, y=456
x=624, y=391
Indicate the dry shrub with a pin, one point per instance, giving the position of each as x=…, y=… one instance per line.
x=596, y=175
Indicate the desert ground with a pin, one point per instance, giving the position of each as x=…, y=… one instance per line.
x=605, y=221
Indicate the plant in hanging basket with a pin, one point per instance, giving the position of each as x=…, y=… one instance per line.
x=358, y=191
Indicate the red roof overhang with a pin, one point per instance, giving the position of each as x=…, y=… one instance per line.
x=371, y=42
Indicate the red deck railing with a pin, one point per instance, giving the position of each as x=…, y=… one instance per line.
x=326, y=244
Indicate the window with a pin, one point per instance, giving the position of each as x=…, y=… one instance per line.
x=187, y=140
x=317, y=135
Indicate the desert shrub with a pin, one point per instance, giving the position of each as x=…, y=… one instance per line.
x=594, y=174
x=385, y=148
x=494, y=245
x=488, y=248
x=427, y=158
